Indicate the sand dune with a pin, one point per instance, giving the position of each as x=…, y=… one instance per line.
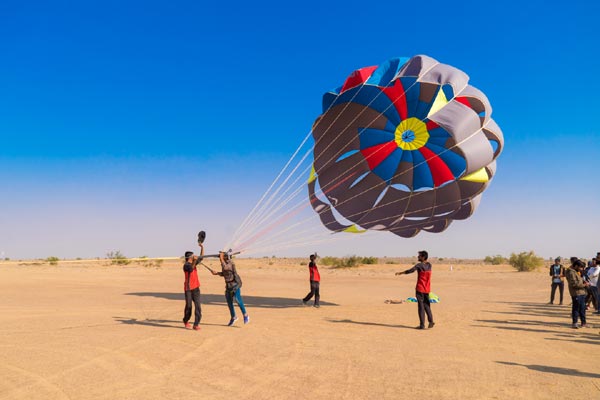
x=90, y=331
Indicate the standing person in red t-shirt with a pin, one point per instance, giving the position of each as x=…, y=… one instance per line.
x=423, y=269
x=191, y=287
x=315, y=281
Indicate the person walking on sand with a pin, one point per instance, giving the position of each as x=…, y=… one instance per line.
x=233, y=285
x=557, y=272
x=423, y=288
x=315, y=282
x=577, y=290
x=191, y=288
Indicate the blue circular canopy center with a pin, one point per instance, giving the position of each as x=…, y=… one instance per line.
x=408, y=136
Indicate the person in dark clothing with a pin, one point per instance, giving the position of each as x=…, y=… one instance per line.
x=191, y=288
x=577, y=290
x=557, y=272
x=315, y=282
x=423, y=269
x=233, y=285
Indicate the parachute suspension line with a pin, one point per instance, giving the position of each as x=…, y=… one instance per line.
x=351, y=122
x=285, y=201
x=355, y=118
x=375, y=186
x=411, y=196
x=258, y=217
x=297, y=208
x=313, y=231
x=245, y=221
x=289, y=245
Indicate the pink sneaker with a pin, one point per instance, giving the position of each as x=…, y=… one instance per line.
x=187, y=325
x=196, y=327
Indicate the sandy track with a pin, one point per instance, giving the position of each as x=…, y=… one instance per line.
x=108, y=332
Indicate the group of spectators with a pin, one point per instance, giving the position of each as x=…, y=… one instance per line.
x=582, y=280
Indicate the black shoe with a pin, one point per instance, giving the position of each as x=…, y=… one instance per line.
x=419, y=327
x=431, y=325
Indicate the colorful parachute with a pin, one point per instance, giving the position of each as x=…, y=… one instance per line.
x=402, y=147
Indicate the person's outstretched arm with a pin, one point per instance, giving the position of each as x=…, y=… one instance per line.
x=408, y=271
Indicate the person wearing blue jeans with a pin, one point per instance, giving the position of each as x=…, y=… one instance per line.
x=233, y=285
x=578, y=292
x=230, y=295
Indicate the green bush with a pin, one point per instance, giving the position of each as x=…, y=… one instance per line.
x=348, y=262
x=329, y=260
x=52, y=260
x=525, y=261
x=117, y=258
x=495, y=260
x=369, y=260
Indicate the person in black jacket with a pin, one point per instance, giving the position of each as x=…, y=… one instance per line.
x=557, y=272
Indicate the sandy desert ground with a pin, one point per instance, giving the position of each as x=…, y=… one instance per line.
x=94, y=331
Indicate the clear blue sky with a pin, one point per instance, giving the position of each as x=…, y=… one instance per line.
x=130, y=124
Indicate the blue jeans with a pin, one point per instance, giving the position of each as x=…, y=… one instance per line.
x=578, y=309
x=238, y=298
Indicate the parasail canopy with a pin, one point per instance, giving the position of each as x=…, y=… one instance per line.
x=402, y=147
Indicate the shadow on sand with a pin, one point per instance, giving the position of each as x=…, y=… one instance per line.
x=219, y=299
x=349, y=321
x=553, y=370
x=158, y=323
x=552, y=320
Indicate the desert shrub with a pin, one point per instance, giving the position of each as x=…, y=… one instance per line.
x=495, y=260
x=525, y=261
x=329, y=260
x=369, y=260
x=52, y=260
x=347, y=262
x=117, y=258
x=440, y=259
x=6, y=258
x=303, y=262
x=146, y=262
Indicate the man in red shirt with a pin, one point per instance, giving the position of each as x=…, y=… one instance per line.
x=423, y=269
x=191, y=288
x=315, y=281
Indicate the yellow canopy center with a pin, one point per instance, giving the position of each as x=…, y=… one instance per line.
x=411, y=134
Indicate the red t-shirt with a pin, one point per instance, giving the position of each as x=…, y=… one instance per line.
x=423, y=270
x=314, y=272
x=191, y=277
